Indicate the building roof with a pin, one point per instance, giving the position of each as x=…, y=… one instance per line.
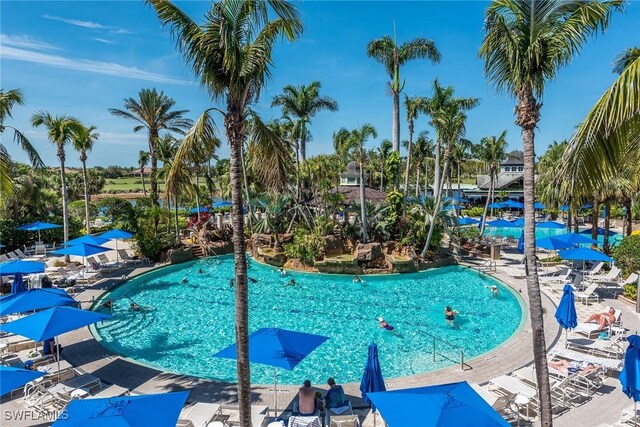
x=504, y=180
x=514, y=158
x=352, y=194
x=145, y=171
x=353, y=170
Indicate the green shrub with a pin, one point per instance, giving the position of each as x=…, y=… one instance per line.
x=474, y=211
x=630, y=291
x=306, y=247
x=468, y=234
x=146, y=244
x=627, y=254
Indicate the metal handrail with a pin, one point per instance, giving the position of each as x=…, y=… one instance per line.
x=455, y=347
x=490, y=266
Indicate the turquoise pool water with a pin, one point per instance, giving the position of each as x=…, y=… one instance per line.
x=544, y=232
x=183, y=324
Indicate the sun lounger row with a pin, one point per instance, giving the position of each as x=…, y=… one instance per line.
x=568, y=354
x=212, y=414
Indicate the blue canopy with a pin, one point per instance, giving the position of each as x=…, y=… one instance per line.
x=518, y=222
x=521, y=243
x=503, y=223
x=564, y=208
x=147, y=410
x=496, y=205
x=566, y=312
x=630, y=375
x=220, y=204
x=18, y=286
x=277, y=347
x=116, y=233
x=584, y=254
x=34, y=299
x=601, y=231
x=538, y=205
x=568, y=239
x=52, y=322
x=465, y=220
x=587, y=206
x=88, y=239
x=37, y=226
x=512, y=204
x=446, y=405
x=13, y=378
x=552, y=243
x=372, y=380
x=203, y=209
x=13, y=267
x=82, y=249
x=550, y=224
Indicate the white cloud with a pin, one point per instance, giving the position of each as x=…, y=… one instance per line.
x=25, y=41
x=99, y=67
x=76, y=22
x=105, y=41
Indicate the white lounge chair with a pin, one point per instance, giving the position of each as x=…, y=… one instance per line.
x=124, y=256
x=610, y=276
x=560, y=277
x=563, y=353
x=588, y=294
x=504, y=405
x=12, y=255
x=20, y=253
x=594, y=269
x=4, y=257
x=627, y=415
x=106, y=262
x=345, y=421
x=198, y=415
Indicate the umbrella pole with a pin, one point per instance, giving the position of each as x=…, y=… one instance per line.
x=275, y=390
x=57, y=355
x=117, y=254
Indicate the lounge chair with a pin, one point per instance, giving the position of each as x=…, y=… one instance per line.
x=613, y=364
x=344, y=421
x=504, y=405
x=83, y=274
x=618, y=284
x=4, y=257
x=576, y=283
x=345, y=409
x=98, y=266
x=612, y=348
x=198, y=415
x=593, y=270
x=610, y=276
x=106, y=262
x=124, y=256
x=588, y=294
x=40, y=251
x=627, y=415
x=305, y=421
x=12, y=255
x=560, y=277
x=20, y=254
x=592, y=330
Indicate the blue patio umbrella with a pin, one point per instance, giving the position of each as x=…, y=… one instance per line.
x=496, y=205
x=12, y=378
x=88, y=239
x=518, y=222
x=550, y=224
x=521, y=243
x=566, y=312
x=38, y=226
x=279, y=348
x=156, y=410
x=82, y=249
x=34, y=299
x=372, y=379
x=584, y=254
x=465, y=220
x=601, y=231
x=52, y=322
x=513, y=204
x=203, y=209
x=219, y=203
x=455, y=404
x=480, y=223
x=503, y=223
x=564, y=208
x=538, y=205
x=587, y=206
x=13, y=267
x=552, y=243
x=116, y=234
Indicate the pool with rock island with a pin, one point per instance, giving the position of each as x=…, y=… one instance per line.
x=182, y=324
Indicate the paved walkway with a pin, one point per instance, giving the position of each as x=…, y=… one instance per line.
x=84, y=352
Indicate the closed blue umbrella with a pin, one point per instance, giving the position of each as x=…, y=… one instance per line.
x=372, y=379
x=630, y=375
x=584, y=254
x=480, y=223
x=279, y=348
x=601, y=231
x=12, y=378
x=18, y=286
x=38, y=226
x=34, y=299
x=521, y=243
x=446, y=405
x=147, y=410
x=52, y=322
x=566, y=312
x=87, y=239
x=465, y=220
x=550, y=225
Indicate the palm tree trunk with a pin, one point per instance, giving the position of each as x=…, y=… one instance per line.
x=426, y=177
x=395, y=127
x=607, y=223
x=417, y=180
x=594, y=220
x=63, y=190
x=246, y=189
x=438, y=198
x=298, y=186
x=197, y=170
x=527, y=112
x=459, y=192
x=86, y=194
x=626, y=229
x=436, y=168
x=234, y=124
x=153, y=177
x=486, y=204
x=381, y=173
x=406, y=172
x=303, y=146
x=363, y=207
x=144, y=188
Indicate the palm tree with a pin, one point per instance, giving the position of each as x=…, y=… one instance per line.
x=625, y=59
x=414, y=106
x=303, y=102
x=60, y=130
x=231, y=54
x=154, y=112
x=353, y=141
x=83, y=139
x=423, y=149
x=460, y=153
x=8, y=99
x=526, y=43
x=386, y=51
x=383, y=151
x=492, y=151
x=143, y=159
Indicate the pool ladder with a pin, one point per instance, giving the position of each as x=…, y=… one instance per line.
x=489, y=266
x=457, y=350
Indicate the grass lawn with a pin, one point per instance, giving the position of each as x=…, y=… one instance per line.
x=128, y=184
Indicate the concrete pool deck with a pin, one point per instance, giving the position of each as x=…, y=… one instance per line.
x=84, y=352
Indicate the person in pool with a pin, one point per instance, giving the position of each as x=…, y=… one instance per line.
x=494, y=290
x=450, y=315
x=108, y=304
x=291, y=282
x=384, y=325
x=357, y=279
x=184, y=280
x=135, y=307
x=200, y=271
x=282, y=271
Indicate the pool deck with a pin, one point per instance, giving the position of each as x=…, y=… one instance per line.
x=85, y=353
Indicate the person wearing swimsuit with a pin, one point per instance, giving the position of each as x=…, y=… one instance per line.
x=450, y=315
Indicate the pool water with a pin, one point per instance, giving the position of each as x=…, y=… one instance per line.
x=183, y=324
x=545, y=232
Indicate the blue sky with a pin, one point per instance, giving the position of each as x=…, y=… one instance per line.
x=81, y=58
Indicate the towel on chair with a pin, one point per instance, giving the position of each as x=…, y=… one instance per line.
x=340, y=409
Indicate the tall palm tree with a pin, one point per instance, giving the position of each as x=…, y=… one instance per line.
x=625, y=59
x=154, y=112
x=231, y=54
x=143, y=159
x=492, y=151
x=461, y=150
x=304, y=102
x=83, y=139
x=8, y=99
x=526, y=44
x=414, y=106
x=384, y=149
x=386, y=51
x=353, y=141
x=423, y=149
x=60, y=130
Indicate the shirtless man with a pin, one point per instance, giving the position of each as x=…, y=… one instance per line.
x=306, y=399
x=604, y=319
x=567, y=367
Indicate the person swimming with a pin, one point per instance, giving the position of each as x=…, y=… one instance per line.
x=135, y=307
x=357, y=279
x=494, y=290
x=291, y=282
x=282, y=271
x=200, y=271
x=450, y=315
x=386, y=326
x=184, y=280
x=108, y=304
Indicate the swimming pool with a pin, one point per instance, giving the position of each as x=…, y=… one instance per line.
x=183, y=324
x=545, y=232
